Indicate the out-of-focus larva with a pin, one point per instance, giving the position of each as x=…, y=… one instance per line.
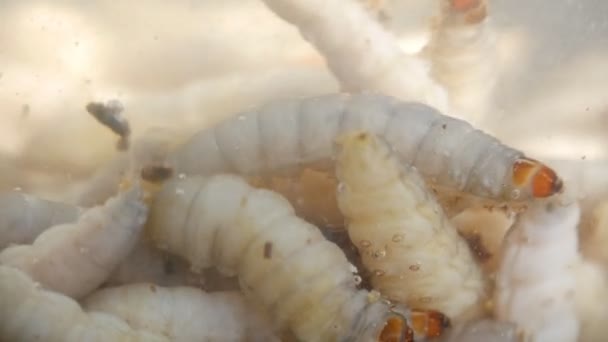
x=284, y=263
x=110, y=115
x=75, y=258
x=31, y=313
x=591, y=293
x=288, y=135
x=359, y=51
x=485, y=330
x=415, y=255
x=535, y=283
x=184, y=314
x=23, y=217
x=594, y=238
x=484, y=229
x=463, y=55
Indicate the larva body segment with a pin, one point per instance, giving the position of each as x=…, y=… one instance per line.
x=535, y=283
x=302, y=280
x=184, y=314
x=414, y=254
x=75, y=258
x=446, y=151
x=23, y=217
x=30, y=313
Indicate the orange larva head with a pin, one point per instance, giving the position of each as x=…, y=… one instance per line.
x=539, y=178
x=396, y=330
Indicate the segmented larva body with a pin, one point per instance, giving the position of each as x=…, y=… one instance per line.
x=31, y=313
x=285, y=136
x=75, y=258
x=284, y=263
x=535, y=284
x=359, y=51
x=23, y=217
x=414, y=254
x=184, y=314
x=463, y=54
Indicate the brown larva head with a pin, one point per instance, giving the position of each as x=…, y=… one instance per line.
x=396, y=329
x=422, y=323
x=539, y=178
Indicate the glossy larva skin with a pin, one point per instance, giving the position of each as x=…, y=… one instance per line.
x=30, y=313
x=284, y=136
x=360, y=53
x=304, y=281
x=23, y=217
x=536, y=280
x=184, y=314
x=75, y=258
x=413, y=252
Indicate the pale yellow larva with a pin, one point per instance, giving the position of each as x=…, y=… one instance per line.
x=536, y=279
x=415, y=255
x=29, y=313
x=284, y=263
x=184, y=314
x=75, y=258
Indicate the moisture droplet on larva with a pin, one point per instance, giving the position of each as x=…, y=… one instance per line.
x=515, y=194
x=397, y=238
x=365, y=243
x=380, y=253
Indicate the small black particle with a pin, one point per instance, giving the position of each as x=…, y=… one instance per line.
x=267, y=250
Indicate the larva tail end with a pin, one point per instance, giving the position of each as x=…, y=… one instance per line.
x=544, y=182
x=396, y=330
x=429, y=323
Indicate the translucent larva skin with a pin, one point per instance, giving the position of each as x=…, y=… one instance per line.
x=75, y=258
x=23, y=217
x=360, y=53
x=285, y=136
x=536, y=280
x=31, y=313
x=463, y=54
x=184, y=314
x=413, y=252
x=301, y=279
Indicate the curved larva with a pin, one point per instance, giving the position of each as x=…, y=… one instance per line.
x=463, y=54
x=75, y=258
x=23, y=217
x=183, y=313
x=535, y=283
x=287, y=135
x=415, y=255
x=30, y=313
x=301, y=279
x=359, y=51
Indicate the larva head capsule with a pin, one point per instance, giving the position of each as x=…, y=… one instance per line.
x=536, y=178
x=414, y=325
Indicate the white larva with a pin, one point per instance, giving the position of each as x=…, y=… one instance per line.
x=284, y=263
x=30, y=313
x=463, y=54
x=535, y=283
x=23, y=217
x=184, y=314
x=414, y=254
x=287, y=135
x=75, y=258
x=359, y=51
